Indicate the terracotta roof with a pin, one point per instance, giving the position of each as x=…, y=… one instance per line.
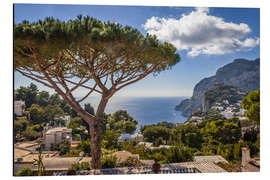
x=28, y=156
x=214, y=159
x=203, y=167
x=62, y=164
x=58, y=129
x=165, y=169
x=26, y=144
x=20, y=153
x=123, y=155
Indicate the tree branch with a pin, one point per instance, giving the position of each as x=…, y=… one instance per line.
x=87, y=94
x=139, y=78
x=29, y=76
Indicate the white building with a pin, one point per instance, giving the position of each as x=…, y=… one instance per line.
x=124, y=137
x=196, y=119
x=242, y=112
x=128, y=137
x=220, y=108
x=137, y=137
x=56, y=136
x=227, y=114
x=225, y=101
x=238, y=104
x=19, y=107
x=146, y=144
x=66, y=119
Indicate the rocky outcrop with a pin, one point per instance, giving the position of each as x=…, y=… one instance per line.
x=241, y=73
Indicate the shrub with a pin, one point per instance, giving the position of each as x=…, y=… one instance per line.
x=158, y=141
x=26, y=171
x=30, y=134
x=85, y=147
x=109, y=162
x=179, y=154
x=131, y=162
x=64, y=148
x=79, y=166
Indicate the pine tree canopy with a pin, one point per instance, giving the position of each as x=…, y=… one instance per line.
x=74, y=46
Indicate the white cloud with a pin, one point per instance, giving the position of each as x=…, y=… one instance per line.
x=200, y=33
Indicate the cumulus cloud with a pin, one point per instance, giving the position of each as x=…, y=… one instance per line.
x=201, y=33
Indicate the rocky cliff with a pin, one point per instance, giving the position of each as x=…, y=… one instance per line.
x=241, y=73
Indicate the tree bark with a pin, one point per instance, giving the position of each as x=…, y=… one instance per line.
x=96, y=134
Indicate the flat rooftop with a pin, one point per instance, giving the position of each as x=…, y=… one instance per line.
x=58, y=129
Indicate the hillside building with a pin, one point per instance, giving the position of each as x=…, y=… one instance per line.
x=19, y=107
x=56, y=136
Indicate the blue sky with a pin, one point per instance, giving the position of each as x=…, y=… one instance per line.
x=206, y=39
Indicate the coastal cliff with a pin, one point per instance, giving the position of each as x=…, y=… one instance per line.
x=241, y=73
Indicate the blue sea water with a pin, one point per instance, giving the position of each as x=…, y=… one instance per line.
x=146, y=110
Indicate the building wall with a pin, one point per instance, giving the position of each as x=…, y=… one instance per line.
x=56, y=137
x=49, y=139
x=18, y=107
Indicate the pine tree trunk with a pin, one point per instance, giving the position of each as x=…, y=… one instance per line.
x=96, y=134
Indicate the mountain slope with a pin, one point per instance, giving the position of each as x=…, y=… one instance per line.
x=241, y=73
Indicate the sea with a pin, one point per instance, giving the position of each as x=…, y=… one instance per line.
x=146, y=110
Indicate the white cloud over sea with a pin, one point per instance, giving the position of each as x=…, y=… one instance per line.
x=201, y=33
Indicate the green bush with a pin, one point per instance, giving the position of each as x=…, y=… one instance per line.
x=85, y=147
x=30, y=134
x=131, y=162
x=158, y=141
x=109, y=162
x=26, y=171
x=79, y=166
x=179, y=154
x=64, y=148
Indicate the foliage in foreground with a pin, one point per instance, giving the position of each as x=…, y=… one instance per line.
x=80, y=166
x=131, y=162
x=109, y=162
x=252, y=104
x=26, y=171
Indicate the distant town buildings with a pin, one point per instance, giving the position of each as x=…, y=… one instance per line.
x=195, y=119
x=242, y=112
x=19, y=107
x=228, y=114
x=219, y=108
